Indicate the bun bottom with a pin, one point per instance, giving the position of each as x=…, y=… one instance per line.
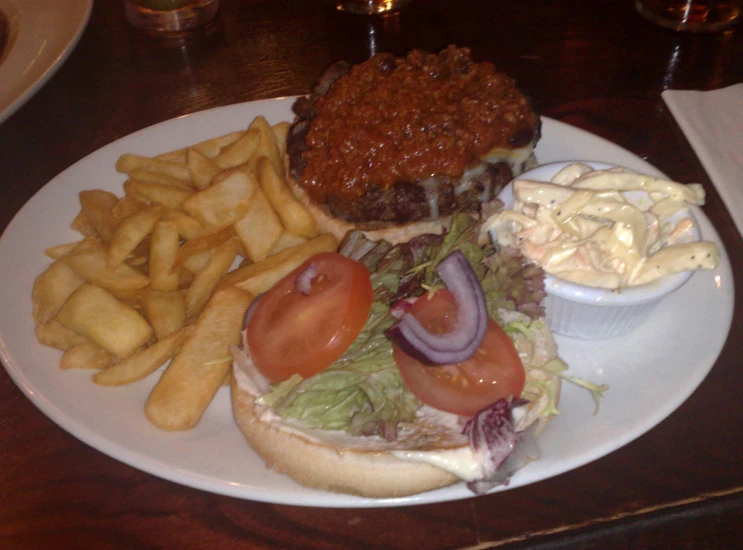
x=372, y=474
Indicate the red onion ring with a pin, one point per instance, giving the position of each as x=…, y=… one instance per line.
x=467, y=335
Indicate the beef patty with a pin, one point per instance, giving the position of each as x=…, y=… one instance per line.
x=372, y=145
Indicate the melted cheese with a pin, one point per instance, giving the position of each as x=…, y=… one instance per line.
x=517, y=160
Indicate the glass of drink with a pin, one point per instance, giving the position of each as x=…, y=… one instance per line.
x=691, y=15
x=169, y=15
x=371, y=7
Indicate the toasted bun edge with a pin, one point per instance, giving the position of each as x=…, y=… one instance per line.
x=322, y=467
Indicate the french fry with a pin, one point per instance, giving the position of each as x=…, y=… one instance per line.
x=131, y=232
x=260, y=229
x=188, y=385
x=89, y=261
x=97, y=206
x=127, y=163
x=257, y=278
x=178, y=155
x=167, y=195
x=140, y=255
x=212, y=147
x=88, y=244
x=223, y=203
x=165, y=311
x=209, y=148
x=239, y=152
x=51, y=290
x=201, y=244
x=82, y=225
x=287, y=240
x=134, y=297
x=208, y=278
x=85, y=356
x=295, y=217
x=55, y=335
x=144, y=362
x=56, y=252
x=189, y=228
x=202, y=169
x=130, y=190
x=163, y=253
x=280, y=132
x=97, y=315
x=194, y=264
x=154, y=177
x=127, y=206
x=267, y=146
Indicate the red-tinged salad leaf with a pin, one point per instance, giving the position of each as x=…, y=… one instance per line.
x=409, y=270
x=397, y=272
x=514, y=283
x=497, y=447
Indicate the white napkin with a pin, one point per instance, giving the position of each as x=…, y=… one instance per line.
x=713, y=123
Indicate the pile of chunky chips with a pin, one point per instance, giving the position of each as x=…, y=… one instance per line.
x=166, y=271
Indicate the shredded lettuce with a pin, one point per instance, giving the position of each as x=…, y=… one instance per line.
x=597, y=390
x=536, y=387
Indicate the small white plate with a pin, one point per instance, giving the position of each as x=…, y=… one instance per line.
x=672, y=351
x=42, y=35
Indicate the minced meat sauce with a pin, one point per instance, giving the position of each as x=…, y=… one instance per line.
x=393, y=120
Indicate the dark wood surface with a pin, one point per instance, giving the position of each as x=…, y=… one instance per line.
x=596, y=65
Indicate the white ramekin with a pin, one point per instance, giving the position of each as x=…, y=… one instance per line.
x=587, y=312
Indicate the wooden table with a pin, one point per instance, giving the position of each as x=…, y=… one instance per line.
x=601, y=68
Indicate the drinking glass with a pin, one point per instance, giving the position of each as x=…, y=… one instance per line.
x=691, y=15
x=169, y=15
x=371, y=7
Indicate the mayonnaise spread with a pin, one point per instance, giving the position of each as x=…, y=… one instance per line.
x=458, y=459
x=605, y=228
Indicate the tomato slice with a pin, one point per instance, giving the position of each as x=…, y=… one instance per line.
x=291, y=332
x=494, y=372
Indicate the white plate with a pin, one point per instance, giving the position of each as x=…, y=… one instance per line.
x=673, y=350
x=42, y=35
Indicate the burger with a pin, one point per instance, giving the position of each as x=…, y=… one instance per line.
x=389, y=415
x=417, y=356
x=395, y=146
